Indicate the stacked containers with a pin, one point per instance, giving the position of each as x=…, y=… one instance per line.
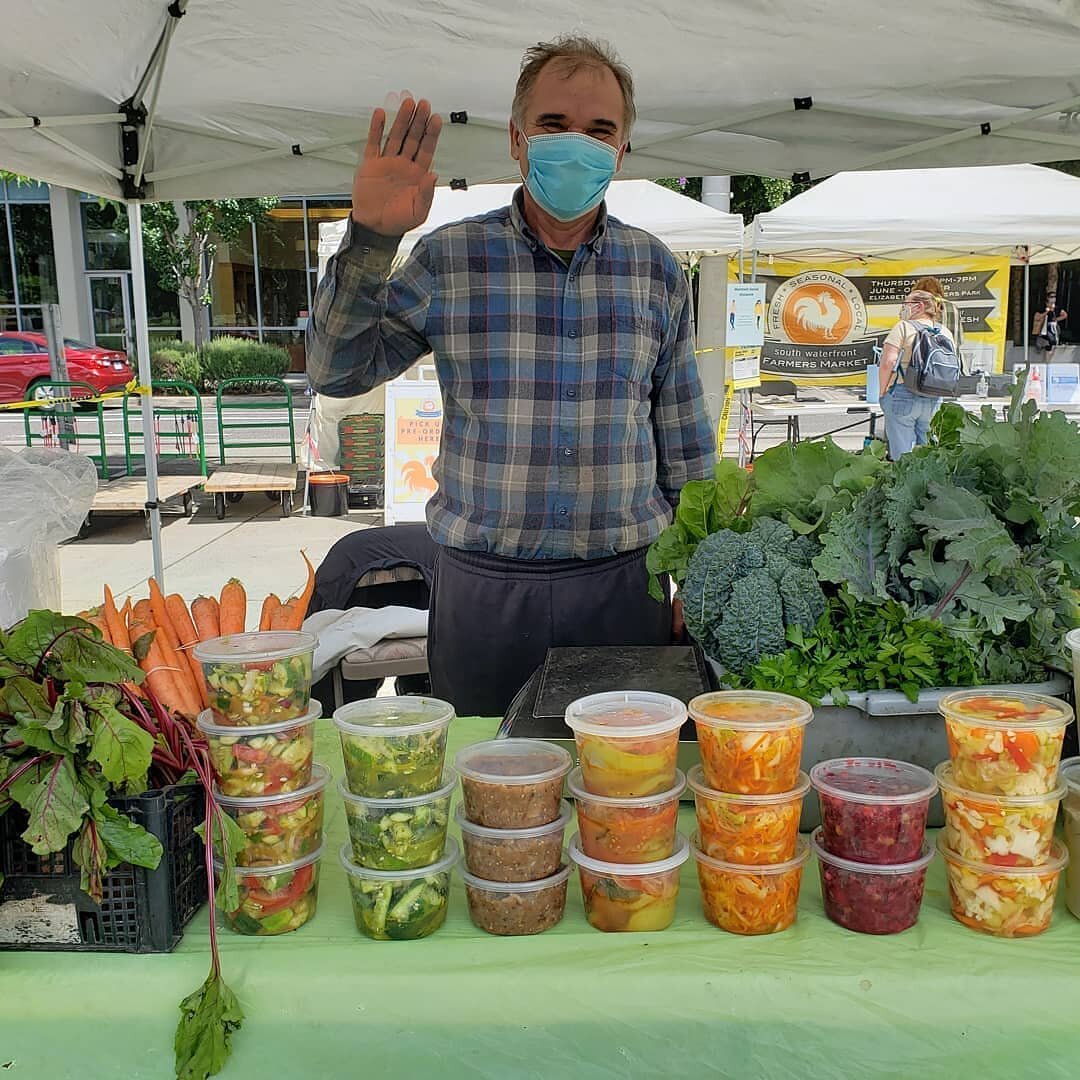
x=260, y=731
x=871, y=845
x=627, y=790
x=1001, y=795
x=748, y=795
x=397, y=797
x=512, y=825
x=1070, y=778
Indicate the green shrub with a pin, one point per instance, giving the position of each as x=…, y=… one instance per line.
x=235, y=358
x=176, y=360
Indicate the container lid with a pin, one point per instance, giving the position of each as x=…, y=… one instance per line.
x=1069, y=774
x=393, y=716
x=1049, y=712
x=578, y=790
x=205, y=723
x=764, y=710
x=643, y=869
x=557, y=878
x=259, y=646
x=328, y=478
x=944, y=776
x=470, y=827
x=320, y=777
x=513, y=761
x=626, y=713
x=268, y=871
x=1072, y=639
x=1059, y=858
x=887, y=869
x=440, y=866
x=875, y=781
x=802, y=853
x=696, y=779
x=449, y=779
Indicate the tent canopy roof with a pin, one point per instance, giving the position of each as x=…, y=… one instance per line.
x=993, y=210
x=273, y=97
x=683, y=224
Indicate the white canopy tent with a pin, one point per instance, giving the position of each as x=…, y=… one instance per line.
x=222, y=98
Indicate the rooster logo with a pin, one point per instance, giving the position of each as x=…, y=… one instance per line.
x=817, y=308
x=818, y=314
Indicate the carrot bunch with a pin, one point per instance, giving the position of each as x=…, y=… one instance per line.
x=161, y=631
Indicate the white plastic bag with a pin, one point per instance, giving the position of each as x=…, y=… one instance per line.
x=321, y=450
x=45, y=496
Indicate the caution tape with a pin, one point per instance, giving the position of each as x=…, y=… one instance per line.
x=90, y=399
x=725, y=418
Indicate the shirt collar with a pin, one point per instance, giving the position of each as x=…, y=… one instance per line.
x=517, y=219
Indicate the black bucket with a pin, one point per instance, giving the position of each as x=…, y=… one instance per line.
x=329, y=494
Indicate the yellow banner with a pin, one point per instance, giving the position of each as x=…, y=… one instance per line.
x=825, y=319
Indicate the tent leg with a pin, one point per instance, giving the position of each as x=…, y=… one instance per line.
x=1027, y=309
x=142, y=341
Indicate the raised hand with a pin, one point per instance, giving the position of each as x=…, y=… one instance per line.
x=394, y=185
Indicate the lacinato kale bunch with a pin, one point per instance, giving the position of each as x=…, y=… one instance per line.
x=743, y=590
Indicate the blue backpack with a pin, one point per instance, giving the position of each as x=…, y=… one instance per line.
x=933, y=368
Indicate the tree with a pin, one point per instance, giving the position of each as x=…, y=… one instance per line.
x=182, y=247
x=750, y=195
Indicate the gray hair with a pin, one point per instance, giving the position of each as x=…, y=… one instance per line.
x=573, y=53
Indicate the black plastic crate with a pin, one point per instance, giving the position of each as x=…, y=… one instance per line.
x=142, y=911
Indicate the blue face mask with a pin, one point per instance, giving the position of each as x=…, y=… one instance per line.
x=569, y=173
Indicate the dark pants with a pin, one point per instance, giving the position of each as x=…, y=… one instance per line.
x=492, y=620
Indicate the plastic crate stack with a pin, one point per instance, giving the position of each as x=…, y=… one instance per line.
x=362, y=439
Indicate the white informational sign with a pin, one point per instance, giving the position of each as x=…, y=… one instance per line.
x=744, y=367
x=746, y=314
x=1063, y=384
x=413, y=430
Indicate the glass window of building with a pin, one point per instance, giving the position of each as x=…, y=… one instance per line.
x=105, y=234
x=281, y=246
x=34, y=265
x=9, y=315
x=319, y=211
x=233, y=289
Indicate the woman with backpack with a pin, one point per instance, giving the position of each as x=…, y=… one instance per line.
x=908, y=414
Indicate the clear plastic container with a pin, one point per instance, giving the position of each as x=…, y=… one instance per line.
x=258, y=678
x=280, y=828
x=873, y=810
x=1070, y=806
x=512, y=783
x=627, y=741
x=394, y=747
x=1005, y=901
x=400, y=905
x=751, y=740
x=748, y=830
x=760, y=899
x=627, y=830
x=514, y=909
x=263, y=760
x=1005, y=830
x=517, y=855
x=1072, y=642
x=399, y=834
x=1003, y=742
x=871, y=899
x=275, y=899
x=629, y=897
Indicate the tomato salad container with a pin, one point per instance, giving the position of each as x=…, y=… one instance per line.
x=275, y=899
x=873, y=810
x=751, y=740
x=1005, y=742
x=258, y=678
x=626, y=830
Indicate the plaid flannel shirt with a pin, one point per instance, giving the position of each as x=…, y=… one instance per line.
x=572, y=406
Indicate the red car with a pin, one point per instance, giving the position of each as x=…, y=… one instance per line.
x=24, y=366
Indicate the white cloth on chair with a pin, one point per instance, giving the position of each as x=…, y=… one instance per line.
x=342, y=632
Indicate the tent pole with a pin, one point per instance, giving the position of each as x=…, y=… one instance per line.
x=1027, y=305
x=142, y=341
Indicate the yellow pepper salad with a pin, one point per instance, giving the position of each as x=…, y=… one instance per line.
x=1006, y=901
x=627, y=741
x=751, y=740
x=750, y=899
x=629, y=897
x=751, y=830
x=1070, y=777
x=1005, y=743
x=1004, y=830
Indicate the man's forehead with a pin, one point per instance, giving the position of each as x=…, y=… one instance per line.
x=589, y=92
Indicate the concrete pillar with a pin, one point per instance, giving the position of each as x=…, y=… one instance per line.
x=69, y=251
x=716, y=192
x=711, y=328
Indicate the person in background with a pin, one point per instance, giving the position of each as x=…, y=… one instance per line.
x=564, y=346
x=1047, y=326
x=948, y=312
x=907, y=415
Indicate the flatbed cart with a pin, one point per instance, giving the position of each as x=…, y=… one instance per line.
x=128, y=495
x=276, y=479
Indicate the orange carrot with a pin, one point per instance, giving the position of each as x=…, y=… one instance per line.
x=271, y=606
x=117, y=626
x=233, y=608
x=304, y=600
x=158, y=676
x=204, y=611
x=96, y=617
x=282, y=617
x=185, y=686
x=188, y=638
x=161, y=615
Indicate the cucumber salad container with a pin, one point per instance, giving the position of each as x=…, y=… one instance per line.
x=397, y=793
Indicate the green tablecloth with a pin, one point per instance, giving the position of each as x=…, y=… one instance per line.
x=816, y=1001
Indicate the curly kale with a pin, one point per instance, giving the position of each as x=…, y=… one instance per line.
x=743, y=590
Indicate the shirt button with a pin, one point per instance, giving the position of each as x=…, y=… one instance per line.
x=571, y=393
x=573, y=277
x=562, y=511
x=571, y=333
x=567, y=451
